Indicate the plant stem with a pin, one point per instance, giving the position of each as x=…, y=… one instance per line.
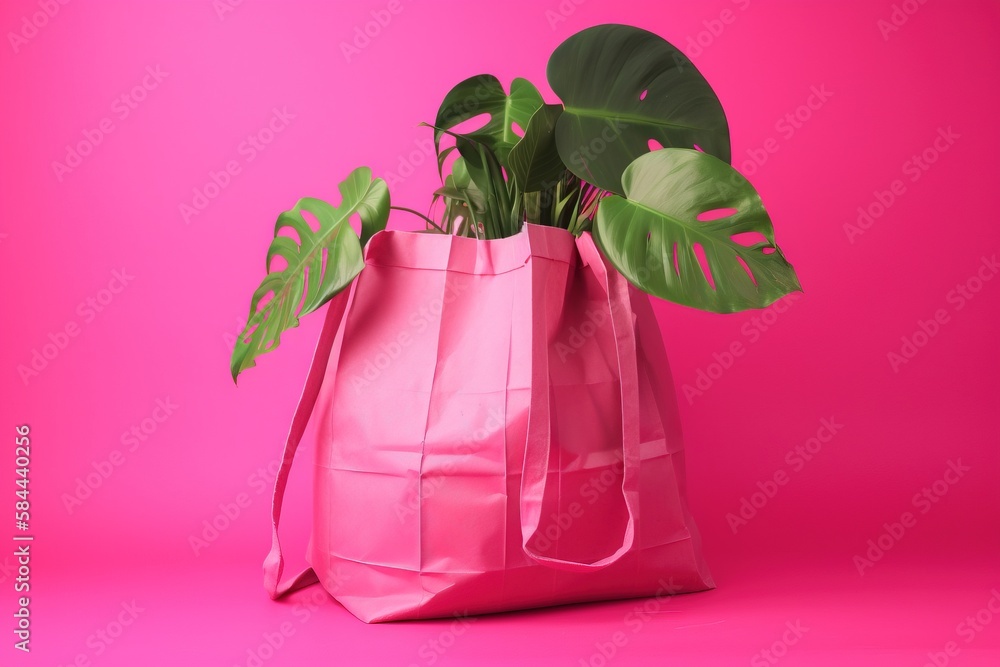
x=421, y=215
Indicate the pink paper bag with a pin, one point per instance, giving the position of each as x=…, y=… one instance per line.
x=497, y=430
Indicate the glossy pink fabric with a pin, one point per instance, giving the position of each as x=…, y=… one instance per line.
x=492, y=434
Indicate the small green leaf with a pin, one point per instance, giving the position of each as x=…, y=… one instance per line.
x=318, y=264
x=534, y=160
x=442, y=156
x=484, y=94
x=460, y=173
x=486, y=173
x=672, y=194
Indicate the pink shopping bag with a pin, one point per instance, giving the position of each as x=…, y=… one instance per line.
x=497, y=430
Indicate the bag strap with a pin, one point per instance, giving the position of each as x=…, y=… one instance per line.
x=539, y=439
x=538, y=443
x=274, y=564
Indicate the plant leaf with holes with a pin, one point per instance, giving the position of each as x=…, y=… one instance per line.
x=319, y=264
x=623, y=86
x=667, y=191
x=534, y=160
x=485, y=94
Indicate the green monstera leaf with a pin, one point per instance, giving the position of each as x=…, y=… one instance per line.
x=534, y=160
x=485, y=94
x=622, y=87
x=313, y=266
x=680, y=200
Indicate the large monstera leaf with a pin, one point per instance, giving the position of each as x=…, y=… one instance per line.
x=622, y=87
x=681, y=199
x=485, y=94
x=313, y=265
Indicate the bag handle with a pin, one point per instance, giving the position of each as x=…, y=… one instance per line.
x=539, y=438
x=538, y=443
x=274, y=564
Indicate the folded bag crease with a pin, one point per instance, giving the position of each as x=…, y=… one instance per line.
x=370, y=593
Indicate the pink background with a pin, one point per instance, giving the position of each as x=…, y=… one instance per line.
x=166, y=334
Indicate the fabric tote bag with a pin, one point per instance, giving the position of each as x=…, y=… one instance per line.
x=496, y=429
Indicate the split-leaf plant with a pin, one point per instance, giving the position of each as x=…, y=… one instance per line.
x=636, y=153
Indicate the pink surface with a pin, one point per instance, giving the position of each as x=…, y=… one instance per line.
x=862, y=548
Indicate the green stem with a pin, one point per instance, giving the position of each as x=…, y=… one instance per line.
x=421, y=215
